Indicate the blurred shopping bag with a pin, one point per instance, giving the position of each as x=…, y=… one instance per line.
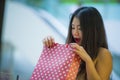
x=57, y=63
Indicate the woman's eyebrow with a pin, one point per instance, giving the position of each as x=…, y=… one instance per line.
x=72, y=24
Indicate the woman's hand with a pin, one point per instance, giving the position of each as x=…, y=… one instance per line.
x=81, y=52
x=48, y=41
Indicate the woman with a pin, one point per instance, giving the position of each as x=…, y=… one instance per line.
x=87, y=36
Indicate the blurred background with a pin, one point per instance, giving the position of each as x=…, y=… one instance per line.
x=26, y=22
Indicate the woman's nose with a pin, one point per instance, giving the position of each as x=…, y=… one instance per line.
x=76, y=30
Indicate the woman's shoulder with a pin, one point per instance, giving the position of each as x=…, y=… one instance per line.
x=104, y=54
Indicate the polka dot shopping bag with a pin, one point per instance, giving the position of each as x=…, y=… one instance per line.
x=57, y=63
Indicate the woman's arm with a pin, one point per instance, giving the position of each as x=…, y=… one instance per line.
x=100, y=71
x=92, y=73
x=104, y=64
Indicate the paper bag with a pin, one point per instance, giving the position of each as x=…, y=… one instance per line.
x=57, y=63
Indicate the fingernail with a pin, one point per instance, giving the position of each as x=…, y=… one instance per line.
x=66, y=45
x=55, y=44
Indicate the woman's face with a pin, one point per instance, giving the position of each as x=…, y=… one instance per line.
x=76, y=30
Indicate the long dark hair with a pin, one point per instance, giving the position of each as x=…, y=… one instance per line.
x=93, y=32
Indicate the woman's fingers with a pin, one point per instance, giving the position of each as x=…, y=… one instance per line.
x=75, y=46
x=76, y=51
x=52, y=41
x=45, y=42
x=48, y=41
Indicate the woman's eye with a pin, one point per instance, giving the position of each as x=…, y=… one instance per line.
x=79, y=28
x=73, y=27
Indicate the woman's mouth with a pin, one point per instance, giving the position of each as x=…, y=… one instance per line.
x=77, y=40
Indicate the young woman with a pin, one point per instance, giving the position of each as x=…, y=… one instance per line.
x=87, y=36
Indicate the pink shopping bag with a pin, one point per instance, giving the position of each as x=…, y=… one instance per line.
x=57, y=63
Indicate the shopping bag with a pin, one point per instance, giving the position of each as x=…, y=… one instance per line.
x=57, y=63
